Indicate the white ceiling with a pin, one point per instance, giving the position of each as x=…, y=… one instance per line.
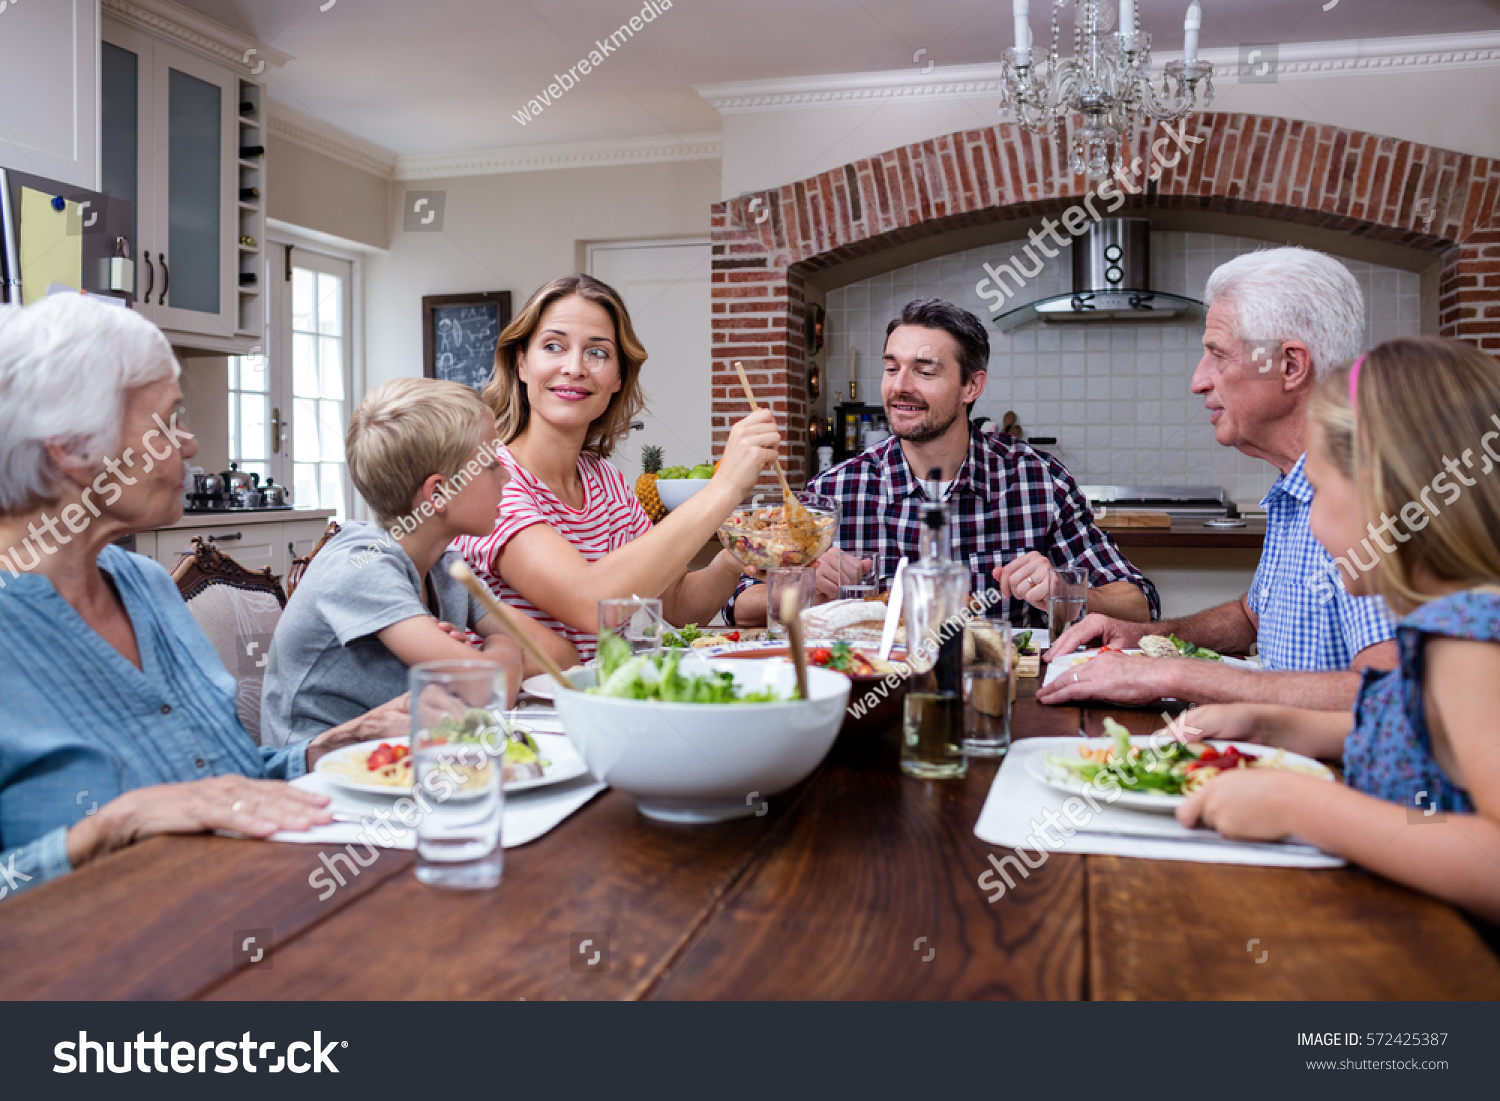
x=442, y=75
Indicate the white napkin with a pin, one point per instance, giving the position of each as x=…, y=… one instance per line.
x=1017, y=800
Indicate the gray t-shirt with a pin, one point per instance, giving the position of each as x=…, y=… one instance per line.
x=326, y=666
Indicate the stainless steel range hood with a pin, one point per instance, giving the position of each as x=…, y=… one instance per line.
x=1111, y=282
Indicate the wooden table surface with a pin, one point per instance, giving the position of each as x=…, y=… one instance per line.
x=828, y=895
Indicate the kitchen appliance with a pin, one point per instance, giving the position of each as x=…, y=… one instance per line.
x=1111, y=282
x=1179, y=502
x=54, y=232
x=233, y=490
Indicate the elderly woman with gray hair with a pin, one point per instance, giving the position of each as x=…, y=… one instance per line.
x=1278, y=321
x=117, y=719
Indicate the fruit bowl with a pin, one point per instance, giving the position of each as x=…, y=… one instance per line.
x=674, y=491
x=757, y=534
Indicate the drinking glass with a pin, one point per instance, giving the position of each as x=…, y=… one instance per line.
x=1067, y=597
x=458, y=750
x=987, y=679
x=636, y=619
x=779, y=581
x=861, y=589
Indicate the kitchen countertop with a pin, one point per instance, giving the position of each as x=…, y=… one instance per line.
x=1192, y=533
x=241, y=516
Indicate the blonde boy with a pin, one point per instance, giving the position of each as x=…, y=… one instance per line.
x=378, y=598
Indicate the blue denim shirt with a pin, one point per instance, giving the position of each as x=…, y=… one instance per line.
x=79, y=724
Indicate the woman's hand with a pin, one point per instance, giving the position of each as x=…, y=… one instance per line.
x=457, y=634
x=751, y=447
x=255, y=808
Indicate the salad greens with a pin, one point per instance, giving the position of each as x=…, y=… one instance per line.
x=1134, y=768
x=1023, y=643
x=1191, y=650
x=682, y=638
x=520, y=747
x=1173, y=768
x=624, y=675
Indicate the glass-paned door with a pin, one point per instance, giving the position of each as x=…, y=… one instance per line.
x=317, y=317
x=289, y=403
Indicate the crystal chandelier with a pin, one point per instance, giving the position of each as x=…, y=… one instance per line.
x=1107, y=80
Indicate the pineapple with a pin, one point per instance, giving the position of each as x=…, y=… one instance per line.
x=645, y=485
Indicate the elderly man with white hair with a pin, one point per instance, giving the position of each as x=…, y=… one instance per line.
x=117, y=719
x=1278, y=320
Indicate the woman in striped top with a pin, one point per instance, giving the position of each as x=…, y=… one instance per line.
x=117, y=719
x=569, y=531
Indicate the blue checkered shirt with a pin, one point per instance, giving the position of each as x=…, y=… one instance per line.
x=1007, y=499
x=1306, y=619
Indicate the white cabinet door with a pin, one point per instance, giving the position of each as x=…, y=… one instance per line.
x=195, y=148
x=301, y=536
x=49, y=71
x=253, y=546
x=127, y=168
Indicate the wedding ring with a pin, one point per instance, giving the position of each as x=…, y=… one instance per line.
x=238, y=804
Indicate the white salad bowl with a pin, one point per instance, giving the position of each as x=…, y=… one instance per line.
x=707, y=762
x=674, y=491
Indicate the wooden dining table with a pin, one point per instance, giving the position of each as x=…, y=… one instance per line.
x=860, y=883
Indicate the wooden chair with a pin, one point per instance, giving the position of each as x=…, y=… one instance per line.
x=302, y=561
x=238, y=610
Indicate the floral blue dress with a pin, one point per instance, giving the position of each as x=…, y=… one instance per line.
x=1389, y=753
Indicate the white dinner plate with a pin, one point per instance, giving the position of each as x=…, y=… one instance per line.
x=564, y=762
x=1054, y=777
x=543, y=686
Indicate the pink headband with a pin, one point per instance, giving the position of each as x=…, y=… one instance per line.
x=1354, y=382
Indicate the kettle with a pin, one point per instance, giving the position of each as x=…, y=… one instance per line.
x=273, y=494
x=236, y=479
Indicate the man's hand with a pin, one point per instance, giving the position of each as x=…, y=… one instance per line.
x=1122, y=678
x=1025, y=578
x=1119, y=633
x=838, y=568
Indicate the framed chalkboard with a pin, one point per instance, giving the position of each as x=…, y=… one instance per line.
x=459, y=333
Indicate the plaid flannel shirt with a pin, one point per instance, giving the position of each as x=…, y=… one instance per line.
x=1007, y=499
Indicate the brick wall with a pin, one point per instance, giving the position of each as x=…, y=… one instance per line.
x=765, y=244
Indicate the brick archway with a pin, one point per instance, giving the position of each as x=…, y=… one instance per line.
x=765, y=245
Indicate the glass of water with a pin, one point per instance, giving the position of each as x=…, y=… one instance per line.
x=458, y=752
x=988, y=662
x=1067, y=597
x=636, y=619
x=802, y=579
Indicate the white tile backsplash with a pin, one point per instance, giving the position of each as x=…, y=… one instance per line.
x=1115, y=396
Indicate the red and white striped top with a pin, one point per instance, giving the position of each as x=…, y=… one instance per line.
x=611, y=517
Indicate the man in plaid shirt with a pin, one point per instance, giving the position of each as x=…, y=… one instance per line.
x=1013, y=512
x=1278, y=319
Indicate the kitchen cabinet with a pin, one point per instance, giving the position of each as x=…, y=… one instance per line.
x=174, y=124
x=254, y=540
x=48, y=59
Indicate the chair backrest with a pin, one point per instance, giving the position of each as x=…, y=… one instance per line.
x=238, y=610
x=302, y=561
